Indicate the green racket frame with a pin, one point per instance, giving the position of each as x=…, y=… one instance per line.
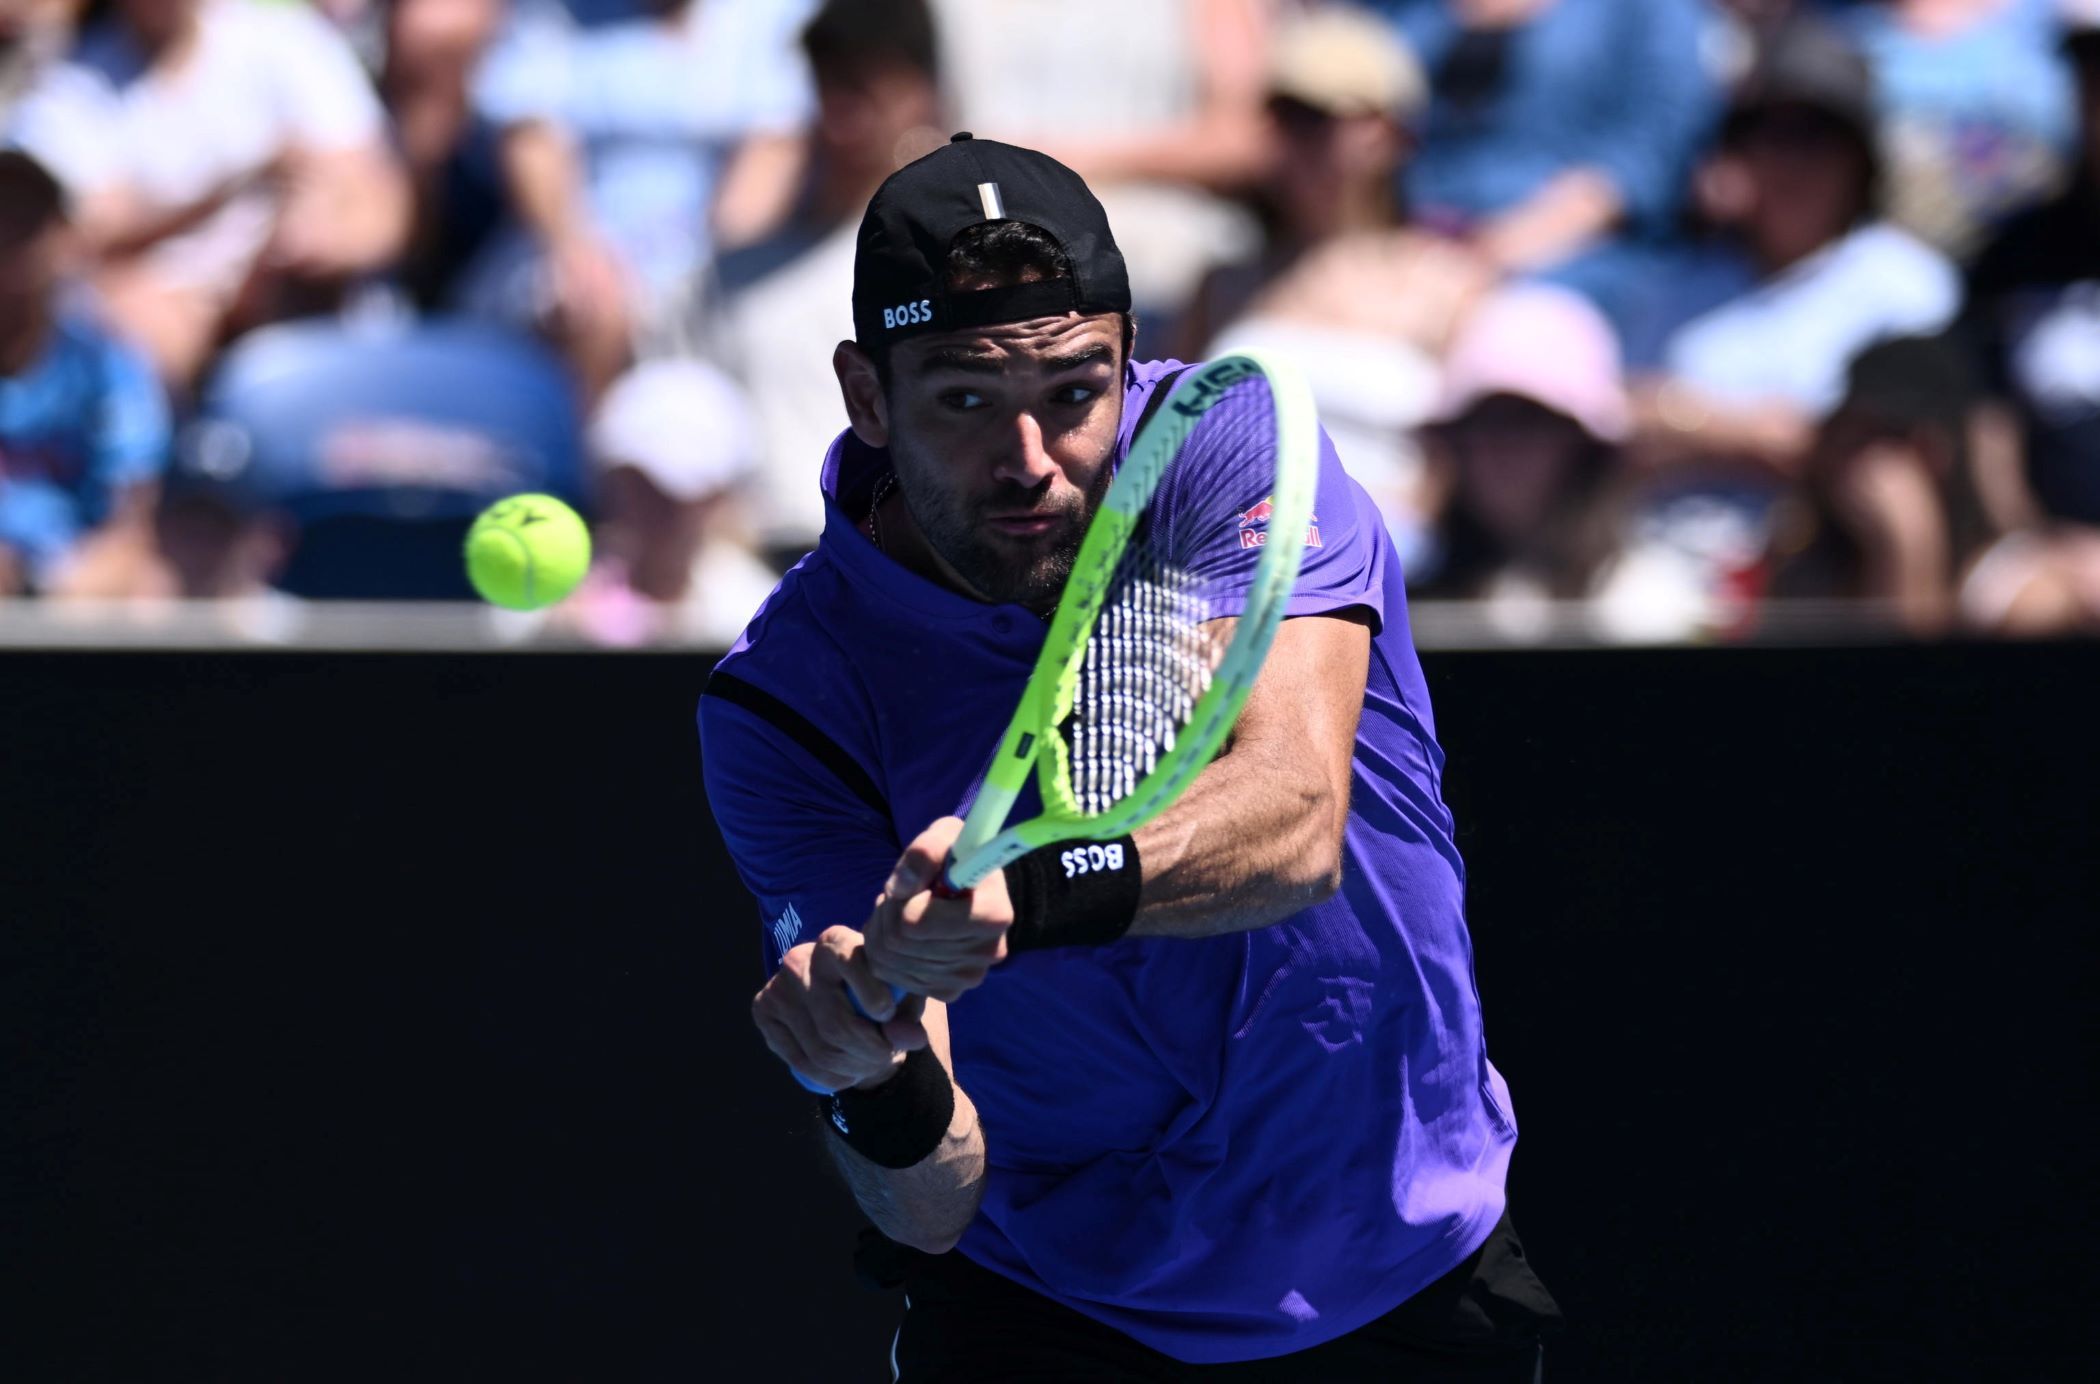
x=1031, y=740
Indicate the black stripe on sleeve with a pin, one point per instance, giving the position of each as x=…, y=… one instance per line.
x=1159, y=396
x=798, y=728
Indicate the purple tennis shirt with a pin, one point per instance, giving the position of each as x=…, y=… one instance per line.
x=1228, y=1148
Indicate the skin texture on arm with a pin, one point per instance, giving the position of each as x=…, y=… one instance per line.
x=810, y=1024
x=931, y=1203
x=1258, y=835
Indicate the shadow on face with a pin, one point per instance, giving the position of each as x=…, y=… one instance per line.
x=1002, y=438
x=1810, y=180
x=1518, y=462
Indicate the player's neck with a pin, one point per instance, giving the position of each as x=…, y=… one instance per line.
x=895, y=533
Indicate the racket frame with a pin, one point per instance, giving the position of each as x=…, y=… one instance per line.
x=1032, y=743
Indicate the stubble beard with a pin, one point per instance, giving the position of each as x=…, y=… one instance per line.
x=957, y=532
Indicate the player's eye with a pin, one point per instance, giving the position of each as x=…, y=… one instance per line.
x=962, y=400
x=1073, y=395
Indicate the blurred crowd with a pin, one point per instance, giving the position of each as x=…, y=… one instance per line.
x=1680, y=308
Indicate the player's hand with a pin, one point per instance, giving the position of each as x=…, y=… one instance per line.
x=928, y=945
x=811, y=1025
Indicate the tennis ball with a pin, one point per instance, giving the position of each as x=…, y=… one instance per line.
x=527, y=552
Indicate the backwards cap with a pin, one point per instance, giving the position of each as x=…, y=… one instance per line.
x=900, y=258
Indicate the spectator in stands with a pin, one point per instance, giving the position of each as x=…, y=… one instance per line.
x=671, y=449
x=1891, y=511
x=230, y=165
x=2035, y=314
x=1158, y=105
x=1976, y=111
x=1523, y=451
x=380, y=440
x=623, y=145
x=1811, y=277
x=219, y=533
x=33, y=36
x=83, y=424
x=1560, y=132
x=1364, y=301
x=1763, y=16
x=2035, y=308
x=432, y=49
x=1743, y=342
x=778, y=307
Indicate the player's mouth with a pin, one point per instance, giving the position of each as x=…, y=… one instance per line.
x=1032, y=525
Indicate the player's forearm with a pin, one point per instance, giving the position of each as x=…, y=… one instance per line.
x=1258, y=835
x=1256, y=839
x=931, y=1203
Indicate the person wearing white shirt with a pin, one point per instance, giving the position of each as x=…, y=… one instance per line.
x=230, y=164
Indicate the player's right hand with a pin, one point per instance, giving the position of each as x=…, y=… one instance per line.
x=810, y=1023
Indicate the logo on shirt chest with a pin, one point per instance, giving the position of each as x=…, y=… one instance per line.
x=1254, y=526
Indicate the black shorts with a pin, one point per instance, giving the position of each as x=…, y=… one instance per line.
x=1481, y=1323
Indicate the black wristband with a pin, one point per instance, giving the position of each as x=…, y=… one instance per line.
x=898, y=1123
x=1073, y=894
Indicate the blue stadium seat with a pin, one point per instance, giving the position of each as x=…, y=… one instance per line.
x=382, y=443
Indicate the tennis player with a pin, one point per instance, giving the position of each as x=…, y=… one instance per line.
x=1222, y=1097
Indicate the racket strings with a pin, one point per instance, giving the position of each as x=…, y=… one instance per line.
x=1147, y=662
x=1157, y=641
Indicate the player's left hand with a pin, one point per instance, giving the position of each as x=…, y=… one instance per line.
x=933, y=946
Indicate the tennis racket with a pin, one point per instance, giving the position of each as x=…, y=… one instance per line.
x=1140, y=679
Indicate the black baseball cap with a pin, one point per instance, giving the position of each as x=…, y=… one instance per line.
x=1809, y=63
x=900, y=257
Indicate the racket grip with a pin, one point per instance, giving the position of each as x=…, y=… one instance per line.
x=896, y=994
x=943, y=887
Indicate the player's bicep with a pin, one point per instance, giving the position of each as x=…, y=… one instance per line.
x=1303, y=711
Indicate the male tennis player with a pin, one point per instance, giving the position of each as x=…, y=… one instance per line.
x=1227, y=1103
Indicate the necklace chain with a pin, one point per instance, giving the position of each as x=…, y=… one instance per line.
x=882, y=492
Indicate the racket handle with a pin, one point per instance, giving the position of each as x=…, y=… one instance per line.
x=944, y=887
x=854, y=1000
x=941, y=888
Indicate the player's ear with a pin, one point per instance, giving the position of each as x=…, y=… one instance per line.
x=860, y=384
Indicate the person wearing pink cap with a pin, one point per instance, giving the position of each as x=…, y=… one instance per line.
x=1349, y=288
x=1523, y=447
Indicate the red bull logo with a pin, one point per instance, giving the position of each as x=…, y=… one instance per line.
x=1254, y=526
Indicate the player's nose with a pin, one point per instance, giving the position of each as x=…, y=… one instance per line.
x=1024, y=460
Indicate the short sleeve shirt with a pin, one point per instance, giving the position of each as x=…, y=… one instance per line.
x=264, y=79
x=1790, y=338
x=1228, y=1148
x=85, y=421
x=656, y=108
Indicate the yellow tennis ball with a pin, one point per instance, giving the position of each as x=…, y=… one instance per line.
x=527, y=552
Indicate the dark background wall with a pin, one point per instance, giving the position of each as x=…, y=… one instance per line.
x=386, y=1017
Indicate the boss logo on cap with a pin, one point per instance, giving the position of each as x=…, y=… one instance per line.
x=908, y=314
